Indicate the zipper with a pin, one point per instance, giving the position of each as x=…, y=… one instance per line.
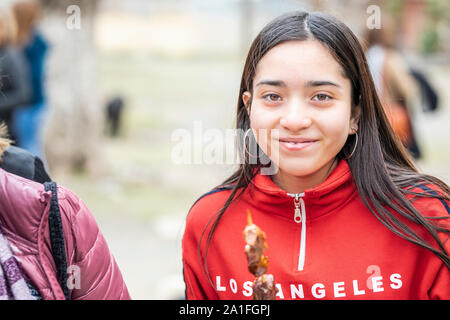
x=299, y=206
x=300, y=217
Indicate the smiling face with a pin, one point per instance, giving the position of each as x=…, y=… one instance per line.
x=302, y=100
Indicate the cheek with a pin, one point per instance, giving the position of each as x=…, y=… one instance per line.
x=263, y=122
x=335, y=127
x=263, y=118
x=334, y=130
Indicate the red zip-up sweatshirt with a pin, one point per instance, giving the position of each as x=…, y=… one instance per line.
x=334, y=249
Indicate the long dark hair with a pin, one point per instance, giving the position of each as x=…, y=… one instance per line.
x=382, y=169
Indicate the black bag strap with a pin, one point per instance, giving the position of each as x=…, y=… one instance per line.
x=431, y=191
x=57, y=238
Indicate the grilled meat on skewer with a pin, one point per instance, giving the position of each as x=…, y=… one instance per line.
x=264, y=285
x=255, y=240
x=264, y=288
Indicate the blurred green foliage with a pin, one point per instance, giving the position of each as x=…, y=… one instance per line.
x=437, y=11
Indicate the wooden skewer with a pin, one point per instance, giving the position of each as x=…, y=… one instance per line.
x=249, y=218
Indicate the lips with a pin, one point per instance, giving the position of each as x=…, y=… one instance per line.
x=296, y=144
x=297, y=140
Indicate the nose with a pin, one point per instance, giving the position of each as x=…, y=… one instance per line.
x=296, y=117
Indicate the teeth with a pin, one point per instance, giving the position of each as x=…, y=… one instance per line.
x=294, y=143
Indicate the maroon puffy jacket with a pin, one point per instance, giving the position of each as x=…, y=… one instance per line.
x=24, y=211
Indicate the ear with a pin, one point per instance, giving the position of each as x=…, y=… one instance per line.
x=354, y=121
x=246, y=97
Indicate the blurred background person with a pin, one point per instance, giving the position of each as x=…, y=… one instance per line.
x=395, y=85
x=114, y=116
x=29, y=119
x=15, y=88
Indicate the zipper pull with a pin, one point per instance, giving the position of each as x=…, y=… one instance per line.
x=297, y=212
x=299, y=206
x=297, y=215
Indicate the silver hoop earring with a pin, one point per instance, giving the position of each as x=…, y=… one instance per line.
x=354, y=148
x=245, y=145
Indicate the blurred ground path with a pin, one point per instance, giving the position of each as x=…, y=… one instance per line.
x=148, y=254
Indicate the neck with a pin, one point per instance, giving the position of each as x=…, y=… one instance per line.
x=298, y=184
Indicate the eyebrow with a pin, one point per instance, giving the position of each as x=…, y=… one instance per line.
x=312, y=83
x=322, y=83
x=276, y=83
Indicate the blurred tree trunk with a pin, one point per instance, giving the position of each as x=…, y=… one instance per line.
x=73, y=132
x=246, y=12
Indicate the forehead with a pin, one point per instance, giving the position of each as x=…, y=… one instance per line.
x=295, y=61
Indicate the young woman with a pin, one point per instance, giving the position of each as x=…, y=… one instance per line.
x=347, y=215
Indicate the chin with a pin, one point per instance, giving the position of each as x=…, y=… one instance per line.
x=298, y=168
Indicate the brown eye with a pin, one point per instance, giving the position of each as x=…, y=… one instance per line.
x=322, y=97
x=272, y=97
